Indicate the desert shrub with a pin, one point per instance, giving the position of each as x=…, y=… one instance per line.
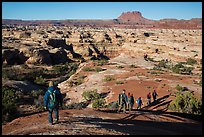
x=150, y=59
x=180, y=88
x=157, y=68
x=155, y=72
x=63, y=69
x=186, y=103
x=102, y=62
x=98, y=69
x=75, y=82
x=90, y=95
x=98, y=103
x=120, y=67
x=181, y=69
x=132, y=66
x=40, y=80
x=88, y=69
x=9, y=107
x=97, y=100
x=191, y=61
x=109, y=78
x=119, y=82
x=163, y=64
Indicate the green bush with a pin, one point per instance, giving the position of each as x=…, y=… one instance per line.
x=186, y=103
x=163, y=64
x=120, y=67
x=191, y=61
x=98, y=103
x=9, y=107
x=75, y=82
x=90, y=95
x=132, y=66
x=119, y=82
x=102, y=62
x=181, y=69
x=99, y=69
x=40, y=80
x=180, y=88
x=88, y=69
x=150, y=59
x=109, y=78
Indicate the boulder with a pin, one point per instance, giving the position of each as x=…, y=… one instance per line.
x=13, y=56
x=40, y=56
x=59, y=55
x=56, y=43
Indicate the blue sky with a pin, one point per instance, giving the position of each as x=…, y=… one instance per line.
x=99, y=10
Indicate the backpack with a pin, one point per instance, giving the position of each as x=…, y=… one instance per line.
x=53, y=98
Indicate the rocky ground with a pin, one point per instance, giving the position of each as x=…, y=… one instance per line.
x=91, y=122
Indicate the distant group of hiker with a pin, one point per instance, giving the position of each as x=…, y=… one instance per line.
x=53, y=101
x=126, y=102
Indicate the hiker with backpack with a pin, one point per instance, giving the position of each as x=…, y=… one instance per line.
x=139, y=103
x=148, y=99
x=154, y=95
x=52, y=102
x=122, y=101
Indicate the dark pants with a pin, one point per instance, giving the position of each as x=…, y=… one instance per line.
x=122, y=106
x=56, y=111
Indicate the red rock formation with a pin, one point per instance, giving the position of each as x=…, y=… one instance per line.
x=134, y=17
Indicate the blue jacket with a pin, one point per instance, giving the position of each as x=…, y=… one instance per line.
x=47, y=97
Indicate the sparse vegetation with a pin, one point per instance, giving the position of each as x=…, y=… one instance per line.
x=9, y=107
x=97, y=69
x=90, y=95
x=132, y=66
x=163, y=64
x=97, y=100
x=180, y=88
x=38, y=75
x=109, y=78
x=119, y=82
x=102, y=62
x=181, y=69
x=191, y=61
x=186, y=103
x=99, y=103
x=88, y=69
x=120, y=67
x=150, y=59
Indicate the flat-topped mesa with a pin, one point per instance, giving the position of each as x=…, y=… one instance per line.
x=134, y=17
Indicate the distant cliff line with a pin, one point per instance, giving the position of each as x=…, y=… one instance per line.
x=125, y=20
